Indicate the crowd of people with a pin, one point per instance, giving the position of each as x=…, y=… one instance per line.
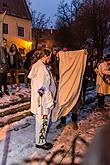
x=44, y=77
x=42, y=71
x=10, y=61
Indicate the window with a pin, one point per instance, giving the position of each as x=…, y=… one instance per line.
x=5, y=28
x=21, y=31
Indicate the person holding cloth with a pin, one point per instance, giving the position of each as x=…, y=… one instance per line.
x=42, y=96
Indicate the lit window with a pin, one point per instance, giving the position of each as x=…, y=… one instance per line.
x=5, y=28
x=21, y=31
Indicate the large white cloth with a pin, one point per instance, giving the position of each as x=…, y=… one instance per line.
x=41, y=106
x=71, y=69
x=101, y=86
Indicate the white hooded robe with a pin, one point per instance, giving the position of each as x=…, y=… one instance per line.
x=41, y=106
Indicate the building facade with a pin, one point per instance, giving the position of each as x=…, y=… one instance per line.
x=44, y=37
x=17, y=24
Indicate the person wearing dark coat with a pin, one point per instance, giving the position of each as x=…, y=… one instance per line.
x=28, y=59
x=3, y=68
x=27, y=66
x=86, y=78
x=55, y=64
x=15, y=63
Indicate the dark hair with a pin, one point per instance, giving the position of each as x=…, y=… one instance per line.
x=39, y=54
x=11, y=50
x=4, y=39
x=44, y=52
x=35, y=57
x=47, y=52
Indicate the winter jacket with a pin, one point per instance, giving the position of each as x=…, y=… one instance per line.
x=17, y=61
x=3, y=60
x=28, y=60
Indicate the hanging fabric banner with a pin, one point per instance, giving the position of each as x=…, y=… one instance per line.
x=71, y=70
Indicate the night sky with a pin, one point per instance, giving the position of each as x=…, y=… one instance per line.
x=48, y=7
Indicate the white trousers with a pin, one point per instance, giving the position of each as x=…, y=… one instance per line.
x=41, y=125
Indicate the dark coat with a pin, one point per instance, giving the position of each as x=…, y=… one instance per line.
x=28, y=60
x=3, y=60
x=17, y=61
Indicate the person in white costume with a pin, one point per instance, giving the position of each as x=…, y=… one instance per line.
x=102, y=87
x=42, y=96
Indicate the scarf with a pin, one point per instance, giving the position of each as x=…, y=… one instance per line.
x=12, y=54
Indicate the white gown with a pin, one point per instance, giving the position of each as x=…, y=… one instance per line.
x=101, y=86
x=41, y=78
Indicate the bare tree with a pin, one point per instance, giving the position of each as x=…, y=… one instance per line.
x=29, y=3
x=95, y=18
x=66, y=15
x=39, y=22
x=84, y=20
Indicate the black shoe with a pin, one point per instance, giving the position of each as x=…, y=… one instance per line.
x=46, y=146
x=60, y=125
x=6, y=92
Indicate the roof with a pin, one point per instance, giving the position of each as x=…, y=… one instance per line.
x=44, y=33
x=17, y=8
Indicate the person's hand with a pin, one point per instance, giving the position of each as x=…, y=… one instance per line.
x=41, y=91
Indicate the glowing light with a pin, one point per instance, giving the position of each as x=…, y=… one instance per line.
x=30, y=43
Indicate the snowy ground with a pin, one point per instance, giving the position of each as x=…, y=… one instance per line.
x=17, y=141
x=15, y=95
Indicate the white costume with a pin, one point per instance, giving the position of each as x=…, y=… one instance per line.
x=41, y=106
x=101, y=86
